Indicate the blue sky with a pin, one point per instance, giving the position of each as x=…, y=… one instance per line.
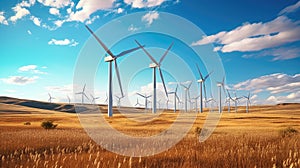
x=258, y=43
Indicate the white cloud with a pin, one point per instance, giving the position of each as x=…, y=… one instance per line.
x=150, y=17
x=87, y=7
x=290, y=9
x=132, y=28
x=90, y=21
x=20, y=13
x=36, y=20
x=31, y=68
x=55, y=3
x=63, y=42
x=59, y=23
x=3, y=19
x=120, y=10
x=54, y=11
x=274, y=83
x=256, y=36
x=29, y=32
x=20, y=80
x=144, y=3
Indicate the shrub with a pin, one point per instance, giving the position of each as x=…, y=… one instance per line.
x=48, y=125
x=288, y=132
x=27, y=123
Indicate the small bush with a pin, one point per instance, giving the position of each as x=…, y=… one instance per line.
x=288, y=132
x=27, y=123
x=48, y=125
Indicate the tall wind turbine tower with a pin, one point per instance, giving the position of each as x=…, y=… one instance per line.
x=155, y=65
x=50, y=98
x=220, y=86
x=82, y=93
x=110, y=59
x=248, y=102
x=175, y=97
x=187, y=94
x=201, y=82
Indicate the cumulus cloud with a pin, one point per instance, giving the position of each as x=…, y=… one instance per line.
x=150, y=17
x=20, y=80
x=87, y=7
x=90, y=21
x=36, y=20
x=290, y=9
x=3, y=19
x=63, y=42
x=55, y=3
x=255, y=36
x=275, y=83
x=144, y=3
x=20, y=13
x=31, y=68
x=54, y=11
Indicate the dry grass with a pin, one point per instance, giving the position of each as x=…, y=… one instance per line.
x=240, y=140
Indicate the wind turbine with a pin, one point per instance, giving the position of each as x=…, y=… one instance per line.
x=211, y=100
x=69, y=100
x=228, y=100
x=235, y=100
x=221, y=85
x=50, y=98
x=83, y=94
x=187, y=93
x=201, y=82
x=93, y=101
x=111, y=58
x=119, y=100
x=106, y=98
x=146, y=99
x=159, y=103
x=137, y=103
x=175, y=97
x=195, y=101
x=155, y=65
x=248, y=102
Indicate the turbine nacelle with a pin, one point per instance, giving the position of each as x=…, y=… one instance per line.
x=109, y=58
x=200, y=80
x=153, y=65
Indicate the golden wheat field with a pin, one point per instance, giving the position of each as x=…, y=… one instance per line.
x=265, y=137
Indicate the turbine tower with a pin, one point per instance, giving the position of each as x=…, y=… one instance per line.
x=187, y=93
x=228, y=100
x=155, y=65
x=201, y=82
x=248, y=102
x=235, y=100
x=195, y=101
x=69, y=100
x=146, y=99
x=50, y=98
x=175, y=97
x=83, y=94
x=111, y=58
x=221, y=85
x=212, y=100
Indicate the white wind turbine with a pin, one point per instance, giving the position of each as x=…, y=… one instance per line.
x=228, y=100
x=221, y=85
x=248, y=102
x=119, y=100
x=187, y=94
x=137, y=103
x=195, y=101
x=211, y=100
x=50, y=98
x=83, y=94
x=155, y=65
x=175, y=97
x=69, y=100
x=201, y=82
x=235, y=100
x=93, y=101
x=146, y=99
x=111, y=58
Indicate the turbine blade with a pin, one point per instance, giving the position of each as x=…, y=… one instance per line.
x=204, y=86
x=162, y=78
x=100, y=42
x=165, y=54
x=128, y=51
x=141, y=95
x=208, y=75
x=118, y=76
x=176, y=88
x=83, y=88
x=199, y=72
x=86, y=96
x=148, y=54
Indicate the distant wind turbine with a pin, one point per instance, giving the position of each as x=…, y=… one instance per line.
x=235, y=100
x=146, y=99
x=50, y=98
x=119, y=100
x=220, y=86
x=201, y=82
x=83, y=94
x=93, y=101
x=137, y=103
x=211, y=100
x=187, y=94
x=155, y=65
x=111, y=58
x=69, y=100
x=175, y=97
x=248, y=102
